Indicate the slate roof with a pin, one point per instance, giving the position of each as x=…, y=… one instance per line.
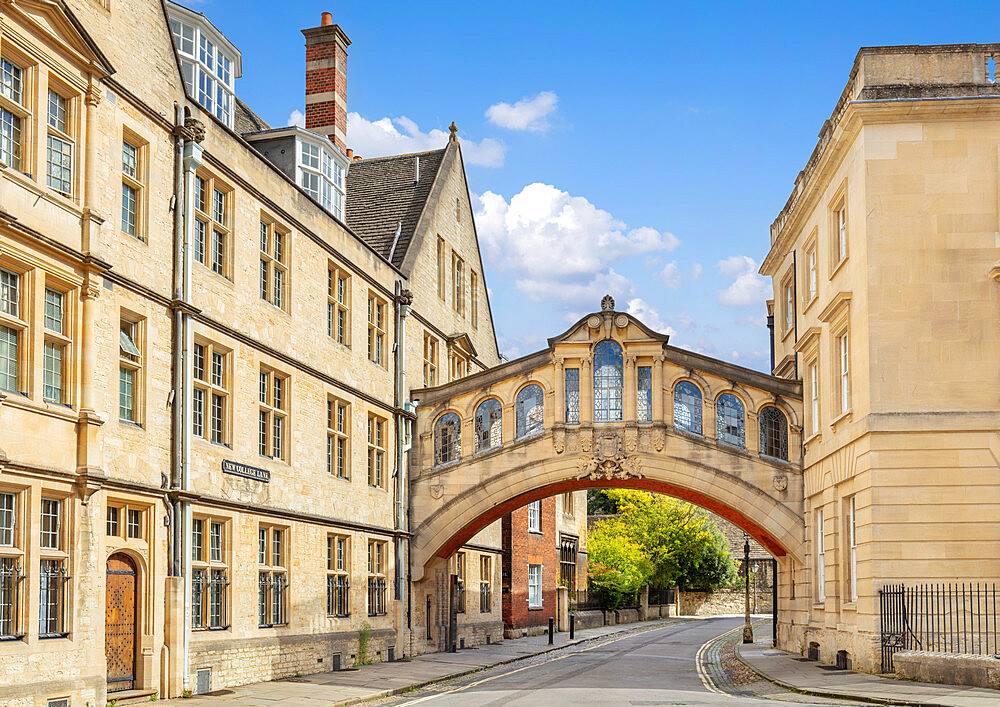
x=246, y=121
x=382, y=194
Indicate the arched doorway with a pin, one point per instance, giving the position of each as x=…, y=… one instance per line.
x=119, y=622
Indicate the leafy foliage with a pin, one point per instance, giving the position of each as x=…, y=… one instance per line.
x=598, y=503
x=619, y=566
x=681, y=544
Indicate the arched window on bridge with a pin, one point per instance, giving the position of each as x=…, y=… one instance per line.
x=488, y=425
x=687, y=407
x=608, y=381
x=530, y=411
x=773, y=433
x=447, y=439
x=729, y=415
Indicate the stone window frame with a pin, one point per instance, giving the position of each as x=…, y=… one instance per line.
x=485, y=584
x=810, y=270
x=216, y=222
x=851, y=548
x=338, y=438
x=787, y=303
x=725, y=401
x=490, y=436
x=773, y=431
x=135, y=181
x=338, y=567
x=21, y=110
x=644, y=393
x=841, y=369
x=571, y=392
x=820, y=556
x=474, y=298
x=212, y=385
x=535, y=517
x=273, y=563
x=378, y=443
x=65, y=131
x=451, y=422
x=431, y=348
x=275, y=256
x=529, y=422
x=377, y=330
x=213, y=572
x=609, y=354
x=840, y=229
x=13, y=607
x=131, y=360
x=54, y=568
x=696, y=403
x=15, y=316
x=458, y=283
x=274, y=403
x=338, y=304
x=459, y=568
x=377, y=568
x=442, y=284
x=60, y=340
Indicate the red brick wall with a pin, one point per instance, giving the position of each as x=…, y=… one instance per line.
x=322, y=116
x=521, y=548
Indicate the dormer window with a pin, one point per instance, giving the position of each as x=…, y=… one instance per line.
x=209, y=62
x=322, y=176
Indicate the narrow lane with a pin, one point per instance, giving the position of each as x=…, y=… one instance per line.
x=645, y=669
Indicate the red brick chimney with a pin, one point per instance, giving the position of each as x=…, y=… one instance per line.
x=326, y=80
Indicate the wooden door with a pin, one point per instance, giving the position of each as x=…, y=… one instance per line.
x=119, y=623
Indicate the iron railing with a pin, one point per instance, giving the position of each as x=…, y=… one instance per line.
x=337, y=595
x=10, y=599
x=376, y=596
x=939, y=618
x=52, y=599
x=661, y=595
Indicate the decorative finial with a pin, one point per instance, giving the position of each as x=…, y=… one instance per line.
x=454, y=132
x=608, y=304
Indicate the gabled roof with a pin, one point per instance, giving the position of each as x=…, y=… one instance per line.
x=384, y=197
x=53, y=17
x=246, y=121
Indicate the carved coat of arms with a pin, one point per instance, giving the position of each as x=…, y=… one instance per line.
x=609, y=460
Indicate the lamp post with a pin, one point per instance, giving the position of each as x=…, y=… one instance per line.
x=747, y=628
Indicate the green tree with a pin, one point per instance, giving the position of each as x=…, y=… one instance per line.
x=618, y=566
x=683, y=545
x=598, y=503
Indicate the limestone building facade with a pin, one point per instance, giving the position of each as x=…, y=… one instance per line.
x=886, y=306
x=207, y=351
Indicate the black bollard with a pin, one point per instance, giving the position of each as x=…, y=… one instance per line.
x=572, y=626
x=552, y=629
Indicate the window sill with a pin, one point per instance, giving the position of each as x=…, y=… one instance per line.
x=130, y=423
x=821, y=604
x=536, y=608
x=846, y=415
x=808, y=304
x=135, y=237
x=814, y=437
x=849, y=606
x=378, y=488
x=50, y=636
x=536, y=532
x=838, y=266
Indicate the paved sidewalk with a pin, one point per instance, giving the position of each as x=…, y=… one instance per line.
x=794, y=673
x=381, y=679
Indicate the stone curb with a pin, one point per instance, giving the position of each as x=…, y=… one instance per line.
x=833, y=694
x=451, y=676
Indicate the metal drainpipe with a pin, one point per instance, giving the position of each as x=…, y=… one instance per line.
x=192, y=160
x=402, y=309
x=178, y=353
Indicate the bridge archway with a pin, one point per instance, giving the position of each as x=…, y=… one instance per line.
x=610, y=420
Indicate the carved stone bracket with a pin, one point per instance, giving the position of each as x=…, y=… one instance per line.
x=559, y=440
x=193, y=129
x=780, y=482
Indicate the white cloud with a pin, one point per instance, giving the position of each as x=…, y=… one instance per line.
x=561, y=246
x=671, y=276
x=685, y=320
x=396, y=136
x=297, y=118
x=641, y=310
x=696, y=270
x=527, y=114
x=748, y=288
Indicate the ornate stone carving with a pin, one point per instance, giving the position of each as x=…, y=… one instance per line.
x=437, y=491
x=405, y=297
x=659, y=436
x=559, y=440
x=621, y=321
x=608, y=304
x=586, y=440
x=193, y=129
x=609, y=460
x=631, y=439
x=237, y=488
x=594, y=321
x=780, y=482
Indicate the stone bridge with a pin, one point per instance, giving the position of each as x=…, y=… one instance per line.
x=609, y=403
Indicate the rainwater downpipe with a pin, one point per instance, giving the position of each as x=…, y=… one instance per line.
x=192, y=161
x=178, y=344
x=402, y=309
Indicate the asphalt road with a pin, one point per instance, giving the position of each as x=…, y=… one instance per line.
x=647, y=669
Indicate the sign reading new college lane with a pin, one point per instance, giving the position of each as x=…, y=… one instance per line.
x=250, y=472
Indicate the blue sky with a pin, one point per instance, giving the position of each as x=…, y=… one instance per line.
x=641, y=148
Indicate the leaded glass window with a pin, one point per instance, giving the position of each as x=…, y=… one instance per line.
x=773, y=433
x=644, y=398
x=530, y=410
x=730, y=420
x=608, y=381
x=687, y=407
x=488, y=425
x=572, y=388
x=447, y=439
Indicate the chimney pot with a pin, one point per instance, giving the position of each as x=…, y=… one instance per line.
x=350, y=153
x=326, y=19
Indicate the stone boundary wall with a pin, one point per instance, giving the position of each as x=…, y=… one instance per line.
x=721, y=601
x=948, y=668
x=245, y=661
x=480, y=633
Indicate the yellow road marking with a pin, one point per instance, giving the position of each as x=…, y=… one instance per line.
x=703, y=675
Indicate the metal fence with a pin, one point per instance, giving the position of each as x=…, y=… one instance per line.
x=662, y=595
x=939, y=618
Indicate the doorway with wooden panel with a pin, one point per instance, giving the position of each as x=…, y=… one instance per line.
x=119, y=622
